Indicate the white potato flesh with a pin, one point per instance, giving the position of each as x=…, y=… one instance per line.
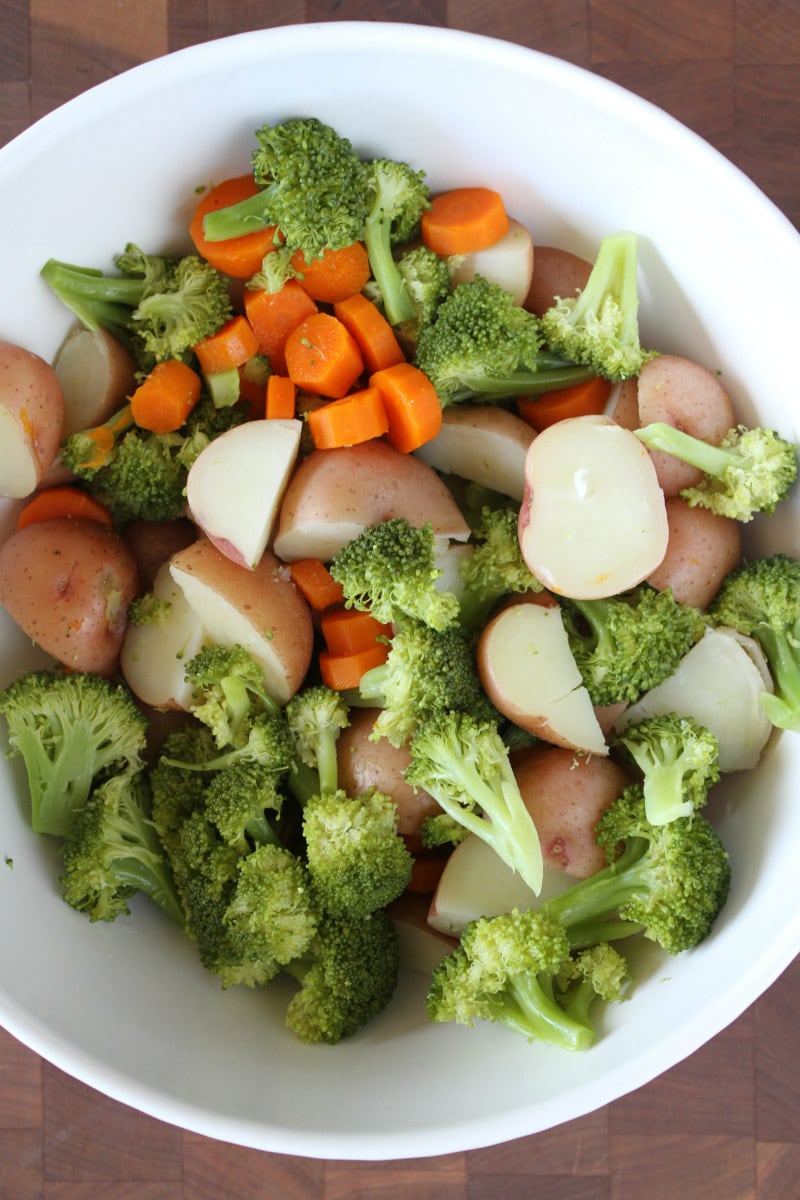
x=154, y=655
x=718, y=682
x=484, y=444
x=593, y=522
x=97, y=374
x=507, y=262
x=529, y=673
x=31, y=420
x=449, y=558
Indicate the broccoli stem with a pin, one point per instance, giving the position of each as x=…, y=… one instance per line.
x=783, y=706
x=98, y=300
x=582, y=909
x=552, y=375
x=397, y=302
x=245, y=216
x=133, y=873
x=711, y=460
x=540, y=1016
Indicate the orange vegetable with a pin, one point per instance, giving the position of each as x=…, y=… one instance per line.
x=344, y=671
x=231, y=346
x=579, y=400
x=63, y=501
x=412, y=405
x=375, y=336
x=163, y=401
x=253, y=383
x=337, y=274
x=281, y=397
x=315, y=582
x=463, y=220
x=348, y=630
x=355, y=418
x=239, y=257
x=274, y=315
x=322, y=356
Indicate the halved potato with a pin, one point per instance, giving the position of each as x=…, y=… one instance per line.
x=484, y=444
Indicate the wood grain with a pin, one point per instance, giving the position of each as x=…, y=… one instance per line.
x=724, y=1124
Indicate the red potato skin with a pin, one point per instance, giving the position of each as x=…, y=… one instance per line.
x=702, y=549
x=555, y=273
x=153, y=543
x=68, y=583
x=30, y=389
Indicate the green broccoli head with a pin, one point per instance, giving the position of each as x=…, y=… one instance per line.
x=316, y=715
x=176, y=792
x=495, y=568
x=228, y=690
x=192, y=303
x=244, y=805
x=427, y=280
x=679, y=760
x=272, y=901
x=268, y=745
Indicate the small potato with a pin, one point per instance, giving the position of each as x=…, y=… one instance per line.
x=31, y=420
x=97, y=374
x=565, y=794
x=68, y=583
x=555, y=273
x=508, y=262
x=702, y=548
x=484, y=444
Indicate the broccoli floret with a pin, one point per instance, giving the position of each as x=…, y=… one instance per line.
x=679, y=760
x=175, y=792
x=495, y=568
x=268, y=745
x=357, y=861
x=427, y=670
x=347, y=978
x=316, y=715
x=428, y=282
x=749, y=472
x=396, y=196
x=159, y=306
x=272, y=902
x=762, y=599
x=483, y=345
x=624, y=645
x=600, y=327
x=442, y=830
x=112, y=851
x=668, y=881
x=72, y=732
x=311, y=183
x=237, y=802
x=228, y=691
x=464, y=764
x=390, y=571
x=515, y=969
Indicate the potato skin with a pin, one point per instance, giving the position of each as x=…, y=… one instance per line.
x=68, y=583
x=701, y=550
x=32, y=395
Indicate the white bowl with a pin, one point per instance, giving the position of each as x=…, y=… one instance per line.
x=126, y=1008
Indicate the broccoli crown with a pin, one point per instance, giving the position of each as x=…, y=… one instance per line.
x=600, y=327
x=427, y=281
x=357, y=861
x=761, y=598
x=227, y=691
x=112, y=851
x=482, y=344
x=624, y=645
x=237, y=803
x=389, y=570
x=679, y=760
x=750, y=471
x=316, y=715
x=272, y=901
x=347, y=978
x=598, y=972
x=268, y=744
x=192, y=303
x=495, y=568
x=464, y=764
x=176, y=792
x=670, y=880
x=427, y=670
x=396, y=197
x=311, y=184
x=72, y=732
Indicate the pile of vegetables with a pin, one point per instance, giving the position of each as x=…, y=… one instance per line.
x=390, y=585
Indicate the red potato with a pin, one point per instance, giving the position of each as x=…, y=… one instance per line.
x=565, y=794
x=152, y=543
x=701, y=550
x=31, y=420
x=508, y=262
x=555, y=273
x=97, y=374
x=68, y=583
x=484, y=444
x=625, y=409
x=154, y=654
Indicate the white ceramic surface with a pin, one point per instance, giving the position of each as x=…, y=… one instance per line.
x=126, y=1008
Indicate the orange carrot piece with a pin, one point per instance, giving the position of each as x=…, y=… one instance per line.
x=337, y=274
x=240, y=257
x=463, y=220
x=315, y=583
x=344, y=671
x=358, y=417
x=231, y=346
x=163, y=401
x=375, y=336
x=323, y=357
x=275, y=315
x=412, y=405
x=281, y=397
x=63, y=501
x=348, y=630
x=579, y=400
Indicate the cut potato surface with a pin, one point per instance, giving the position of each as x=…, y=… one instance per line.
x=484, y=444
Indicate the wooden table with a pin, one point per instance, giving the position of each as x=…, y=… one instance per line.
x=723, y=1125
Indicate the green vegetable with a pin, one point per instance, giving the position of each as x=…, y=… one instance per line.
x=228, y=691
x=316, y=715
x=396, y=197
x=495, y=568
x=679, y=759
x=427, y=281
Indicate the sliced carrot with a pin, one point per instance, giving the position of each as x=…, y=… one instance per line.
x=337, y=274
x=344, y=671
x=240, y=257
x=322, y=356
x=375, y=336
x=274, y=316
x=63, y=501
x=412, y=405
x=358, y=417
x=231, y=346
x=253, y=376
x=463, y=220
x=315, y=582
x=163, y=401
x=281, y=397
x=579, y=400
x=348, y=630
